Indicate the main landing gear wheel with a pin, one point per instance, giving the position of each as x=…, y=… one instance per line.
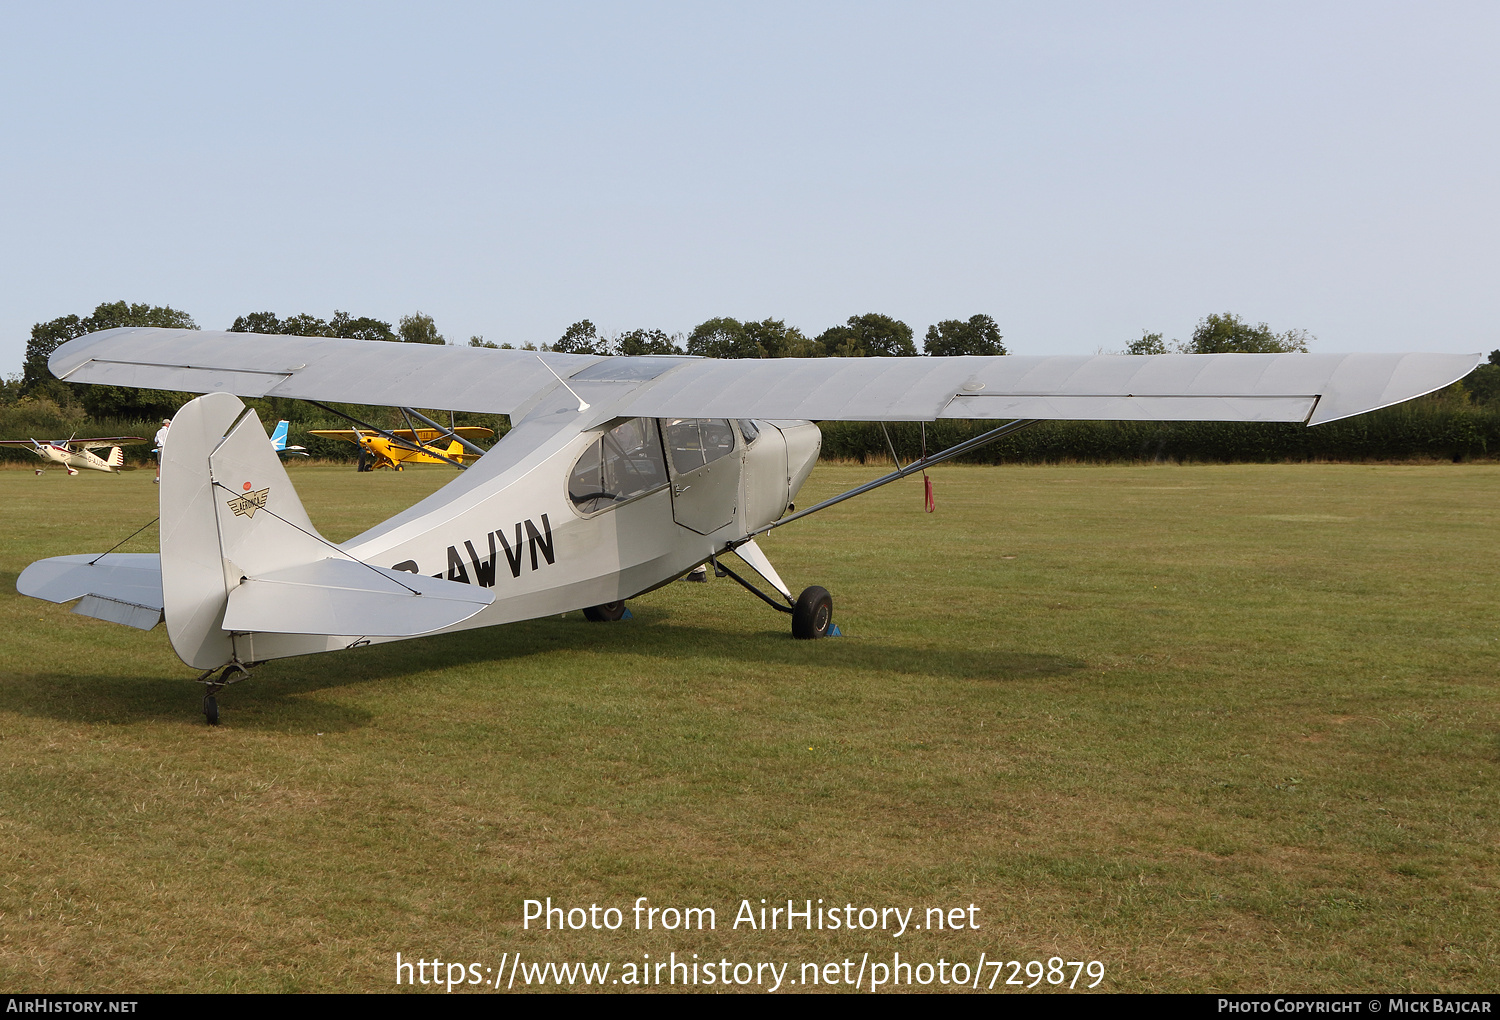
x=211, y=709
x=812, y=617
x=607, y=613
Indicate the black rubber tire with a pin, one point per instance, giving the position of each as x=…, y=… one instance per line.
x=211, y=709
x=607, y=613
x=812, y=617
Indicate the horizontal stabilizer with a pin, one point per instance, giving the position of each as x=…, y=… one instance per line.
x=348, y=597
x=120, y=587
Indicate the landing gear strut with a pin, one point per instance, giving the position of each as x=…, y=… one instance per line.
x=812, y=613
x=232, y=674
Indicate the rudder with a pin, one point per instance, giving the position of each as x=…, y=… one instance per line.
x=227, y=510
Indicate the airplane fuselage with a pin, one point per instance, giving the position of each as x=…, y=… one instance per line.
x=530, y=520
x=529, y=535
x=71, y=459
x=385, y=453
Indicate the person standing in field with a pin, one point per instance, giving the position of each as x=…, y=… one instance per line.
x=161, y=440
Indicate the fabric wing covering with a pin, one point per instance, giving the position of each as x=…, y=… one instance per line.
x=1311, y=388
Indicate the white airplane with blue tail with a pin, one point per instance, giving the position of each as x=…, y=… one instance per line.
x=279, y=438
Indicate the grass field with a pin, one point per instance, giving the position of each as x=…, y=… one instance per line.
x=1218, y=727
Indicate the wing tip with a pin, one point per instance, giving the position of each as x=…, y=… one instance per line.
x=1443, y=370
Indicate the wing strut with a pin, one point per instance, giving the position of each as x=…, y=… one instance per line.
x=920, y=464
x=450, y=431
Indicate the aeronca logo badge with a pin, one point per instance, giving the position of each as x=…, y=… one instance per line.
x=246, y=505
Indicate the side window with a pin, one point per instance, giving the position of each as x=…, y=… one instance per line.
x=718, y=438
x=695, y=442
x=623, y=463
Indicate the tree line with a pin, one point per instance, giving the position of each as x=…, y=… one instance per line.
x=862, y=336
x=1225, y=333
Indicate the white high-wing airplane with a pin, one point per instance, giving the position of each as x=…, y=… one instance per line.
x=619, y=475
x=73, y=454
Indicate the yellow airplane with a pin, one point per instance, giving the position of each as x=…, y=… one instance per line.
x=410, y=446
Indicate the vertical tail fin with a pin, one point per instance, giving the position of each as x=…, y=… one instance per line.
x=228, y=511
x=278, y=438
x=116, y=457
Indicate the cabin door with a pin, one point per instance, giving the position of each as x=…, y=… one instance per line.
x=705, y=472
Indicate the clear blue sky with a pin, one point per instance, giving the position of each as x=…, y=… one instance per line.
x=1078, y=171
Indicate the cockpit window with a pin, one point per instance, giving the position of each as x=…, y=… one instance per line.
x=625, y=462
x=695, y=442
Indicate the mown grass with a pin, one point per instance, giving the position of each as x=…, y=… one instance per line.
x=1220, y=727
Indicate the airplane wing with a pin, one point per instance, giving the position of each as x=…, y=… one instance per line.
x=428, y=435
x=1311, y=388
x=86, y=443
x=417, y=436
x=111, y=441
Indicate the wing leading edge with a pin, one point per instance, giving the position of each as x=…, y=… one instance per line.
x=1311, y=388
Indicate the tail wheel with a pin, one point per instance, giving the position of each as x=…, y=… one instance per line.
x=607, y=613
x=812, y=617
